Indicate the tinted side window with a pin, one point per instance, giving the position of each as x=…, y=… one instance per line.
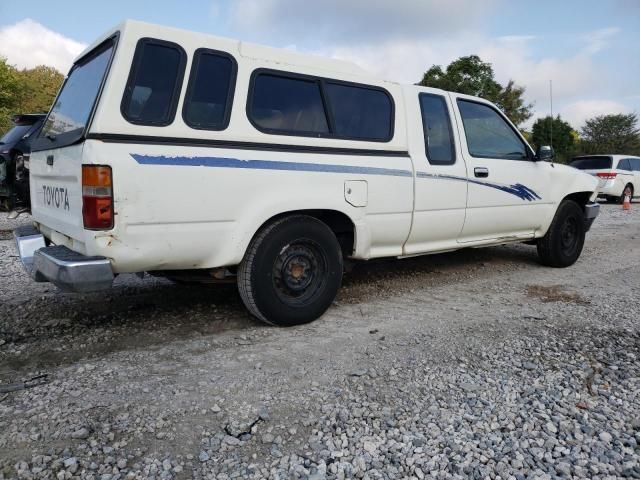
x=488, y=134
x=153, y=88
x=207, y=104
x=438, y=137
x=287, y=104
x=624, y=164
x=635, y=164
x=358, y=112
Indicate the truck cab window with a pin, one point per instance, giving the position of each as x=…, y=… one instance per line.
x=438, y=137
x=488, y=133
x=152, y=92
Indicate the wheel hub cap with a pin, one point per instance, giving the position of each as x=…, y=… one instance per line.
x=298, y=272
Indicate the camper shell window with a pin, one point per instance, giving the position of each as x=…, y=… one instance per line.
x=209, y=97
x=153, y=88
x=71, y=113
x=284, y=103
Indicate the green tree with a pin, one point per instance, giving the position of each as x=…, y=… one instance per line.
x=26, y=91
x=9, y=93
x=39, y=88
x=611, y=134
x=471, y=76
x=555, y=132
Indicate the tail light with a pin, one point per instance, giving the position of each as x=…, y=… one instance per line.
x=607, y=175
x=97, y=197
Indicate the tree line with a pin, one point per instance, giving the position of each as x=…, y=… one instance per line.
x=26, y=91
x=33, y=91
x=618, y=133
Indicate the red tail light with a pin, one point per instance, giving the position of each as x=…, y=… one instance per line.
x=607, y=175
x=97, y=197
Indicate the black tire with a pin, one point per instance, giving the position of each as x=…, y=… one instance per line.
x=291, y=271
x=563, y=242
x=627, y=188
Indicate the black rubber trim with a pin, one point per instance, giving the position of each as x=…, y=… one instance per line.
x=199, y=142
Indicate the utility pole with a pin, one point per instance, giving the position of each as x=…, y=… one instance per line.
x=551, y=102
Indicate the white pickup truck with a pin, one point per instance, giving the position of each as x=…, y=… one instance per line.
x=192, y=156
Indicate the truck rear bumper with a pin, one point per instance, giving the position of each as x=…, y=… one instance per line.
x=68, y=270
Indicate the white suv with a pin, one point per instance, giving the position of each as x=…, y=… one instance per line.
x=618, y=175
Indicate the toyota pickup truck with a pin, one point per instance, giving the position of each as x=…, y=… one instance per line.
x=192, y=156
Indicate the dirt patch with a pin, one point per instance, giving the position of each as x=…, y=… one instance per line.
x=555, y=293
x=6, y=234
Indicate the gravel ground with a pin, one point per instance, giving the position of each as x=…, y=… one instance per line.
x=474, y=364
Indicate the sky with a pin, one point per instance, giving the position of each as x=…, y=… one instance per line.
x=589, y=49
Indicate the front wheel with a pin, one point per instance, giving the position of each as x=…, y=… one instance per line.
x=291, y=271
x=563, y=242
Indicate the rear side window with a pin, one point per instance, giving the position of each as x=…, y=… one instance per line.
x=288, y=105
x=635, y=164
x=438, y=137
x=488, y=134
x=592, y=163
x=153, y=88
x=359, y=113
x=292, y=104
x=624, y=164
x=209, y=97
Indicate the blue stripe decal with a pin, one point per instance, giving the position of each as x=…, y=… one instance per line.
x=521, y=191
x=223, y=162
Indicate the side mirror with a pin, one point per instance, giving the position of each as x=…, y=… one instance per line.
x=545, y=153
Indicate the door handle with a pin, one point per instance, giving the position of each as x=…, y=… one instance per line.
x=481, y=172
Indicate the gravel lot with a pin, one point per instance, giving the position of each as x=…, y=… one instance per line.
x=475, y=364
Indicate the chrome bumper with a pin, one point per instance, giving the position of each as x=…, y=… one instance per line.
x=68, y=270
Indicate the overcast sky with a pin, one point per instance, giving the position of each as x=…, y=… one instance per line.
x=589, y=48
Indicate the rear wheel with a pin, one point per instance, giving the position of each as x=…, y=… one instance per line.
x=563, y=243
x=291, y=271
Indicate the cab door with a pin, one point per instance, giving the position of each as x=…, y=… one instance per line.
x=440, y=172
x=508, y=196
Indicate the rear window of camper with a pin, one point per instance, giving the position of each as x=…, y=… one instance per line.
x=292, y=104
x=71, y=111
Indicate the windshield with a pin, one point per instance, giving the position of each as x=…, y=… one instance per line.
x=592, y=163
x=74, y=104
x=15, y=134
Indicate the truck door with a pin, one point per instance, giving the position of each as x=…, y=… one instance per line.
x=508, y=193
x=440, y=173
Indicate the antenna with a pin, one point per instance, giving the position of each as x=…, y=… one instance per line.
x=551, y=102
